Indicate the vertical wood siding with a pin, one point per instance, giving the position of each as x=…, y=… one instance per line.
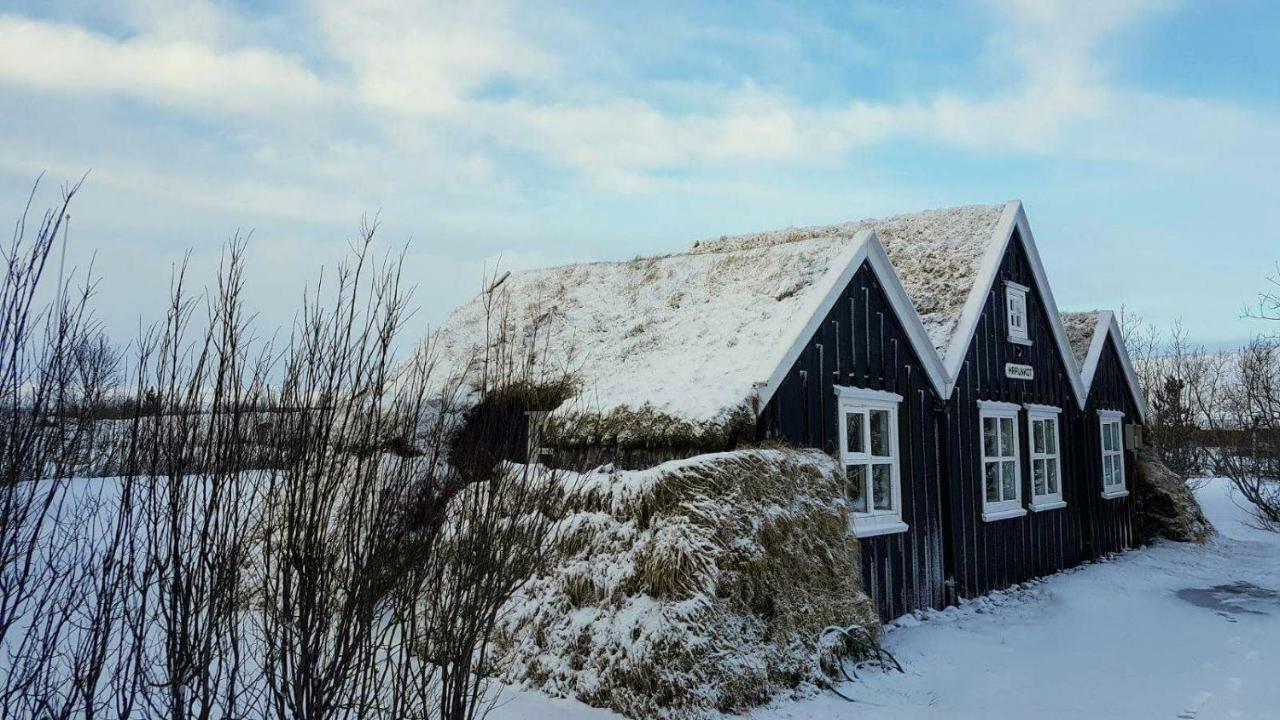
x=985, y=556
x=1109, y=523
x=862, y=344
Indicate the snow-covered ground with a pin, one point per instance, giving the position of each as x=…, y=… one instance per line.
x=1170, y=631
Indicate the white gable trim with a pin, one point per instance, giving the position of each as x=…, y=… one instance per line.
x=865, y=246
x=836, y=279
x=1096, y=343
x=1107, y=325
x=1051, y=307
x=977, y=299
x=878, y=259
x=1012, y=218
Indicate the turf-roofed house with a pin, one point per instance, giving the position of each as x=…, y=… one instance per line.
x=985, y=437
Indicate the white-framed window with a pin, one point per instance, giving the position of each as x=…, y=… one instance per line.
x=868, y=422
x=1113, y=485
x=1001, y=467
x=1046, y=458
x=1015, y=296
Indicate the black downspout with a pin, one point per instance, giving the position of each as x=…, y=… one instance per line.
x=942, y=446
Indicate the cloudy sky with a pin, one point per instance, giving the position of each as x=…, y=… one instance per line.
x=1142, y=135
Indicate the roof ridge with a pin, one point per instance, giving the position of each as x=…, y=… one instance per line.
x=716, y=245
x=709, y=245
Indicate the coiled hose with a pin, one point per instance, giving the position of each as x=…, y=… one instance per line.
x=858, y=642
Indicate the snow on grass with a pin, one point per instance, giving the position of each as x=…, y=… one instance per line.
x=936, y=253
x=691, y=334
x=686, y=335
x=1118, y=639
x=697, y=585
x=1080, y=327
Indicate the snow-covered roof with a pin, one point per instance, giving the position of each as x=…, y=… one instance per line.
x=1080, y=327
x=690, y=334
x=936, y=253
x=1087, y=333
x=699, y=334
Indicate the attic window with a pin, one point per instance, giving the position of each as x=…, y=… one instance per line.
x=1016, y=306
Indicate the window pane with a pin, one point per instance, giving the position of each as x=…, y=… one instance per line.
x=990, y=446
x=1006, y=437
x=880, y=433
x=1051, y=472
x=882, y=486
x=1038, y=477
x=1007, y=478
x=854, y=432
x=1116, y=442
x=1051, y=436
x=992, y=481
x=857, y=486
x=1106, y=471
x=1037, y=436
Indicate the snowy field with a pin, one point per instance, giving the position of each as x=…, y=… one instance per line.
x=1170, y=631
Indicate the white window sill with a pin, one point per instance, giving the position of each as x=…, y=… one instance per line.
x=1003, y=514
x=1113, y=494
x=1019, y=341
x=1048, y=505
x=871, y=528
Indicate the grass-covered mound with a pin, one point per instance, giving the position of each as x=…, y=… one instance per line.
x=694, y=586
x=1167, y=508
x=634, y=438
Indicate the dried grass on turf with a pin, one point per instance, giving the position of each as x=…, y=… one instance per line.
x=699, y=585
x=1167, y=508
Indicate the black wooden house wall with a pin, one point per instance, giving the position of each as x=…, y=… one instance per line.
x=862, y=344
x=1108, y=522
x=984, y=556
x=949, y=551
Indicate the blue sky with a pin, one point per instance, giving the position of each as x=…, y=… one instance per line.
x=1142, y=135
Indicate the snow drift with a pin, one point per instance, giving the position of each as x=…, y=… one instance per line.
x=695, y=586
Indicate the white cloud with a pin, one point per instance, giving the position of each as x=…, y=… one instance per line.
x=416, y=71
x=170, y=73
x=425, y=59
x=432, y=112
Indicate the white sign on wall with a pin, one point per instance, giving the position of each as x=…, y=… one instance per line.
x=1015, y=371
